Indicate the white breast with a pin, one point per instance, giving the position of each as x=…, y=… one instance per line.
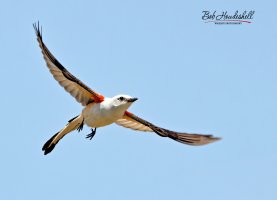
x=101, y=114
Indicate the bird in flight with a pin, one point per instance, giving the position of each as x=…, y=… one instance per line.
x=101, y=111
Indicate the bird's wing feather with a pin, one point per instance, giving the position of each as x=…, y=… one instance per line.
x=128, y=122
x=134, y=122
x=82, y=93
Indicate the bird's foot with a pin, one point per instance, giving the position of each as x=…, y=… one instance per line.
x=90, y=136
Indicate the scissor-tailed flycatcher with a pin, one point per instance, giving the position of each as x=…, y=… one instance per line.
x=101, y=111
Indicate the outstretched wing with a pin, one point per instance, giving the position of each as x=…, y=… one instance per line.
x=82, y=93
x=134, y=122
x=128, y=122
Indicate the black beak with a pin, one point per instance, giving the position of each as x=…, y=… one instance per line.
x=132, y=99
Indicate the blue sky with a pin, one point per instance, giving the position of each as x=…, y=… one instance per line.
x=188, y=75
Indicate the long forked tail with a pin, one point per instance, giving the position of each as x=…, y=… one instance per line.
x=75, y=123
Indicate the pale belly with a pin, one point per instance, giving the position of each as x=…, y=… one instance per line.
x=96, y=115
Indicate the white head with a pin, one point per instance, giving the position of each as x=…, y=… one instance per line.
x=120, y=103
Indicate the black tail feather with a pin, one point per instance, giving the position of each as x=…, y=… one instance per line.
x=47, y=148
x=73, y=124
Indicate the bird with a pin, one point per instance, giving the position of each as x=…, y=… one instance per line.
x=99, y=111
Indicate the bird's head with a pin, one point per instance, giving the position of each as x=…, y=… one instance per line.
x=123, y=101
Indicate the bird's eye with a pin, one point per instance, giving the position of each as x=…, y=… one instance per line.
x=121, y=98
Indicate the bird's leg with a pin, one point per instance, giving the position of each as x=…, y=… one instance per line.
x=90, y=136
